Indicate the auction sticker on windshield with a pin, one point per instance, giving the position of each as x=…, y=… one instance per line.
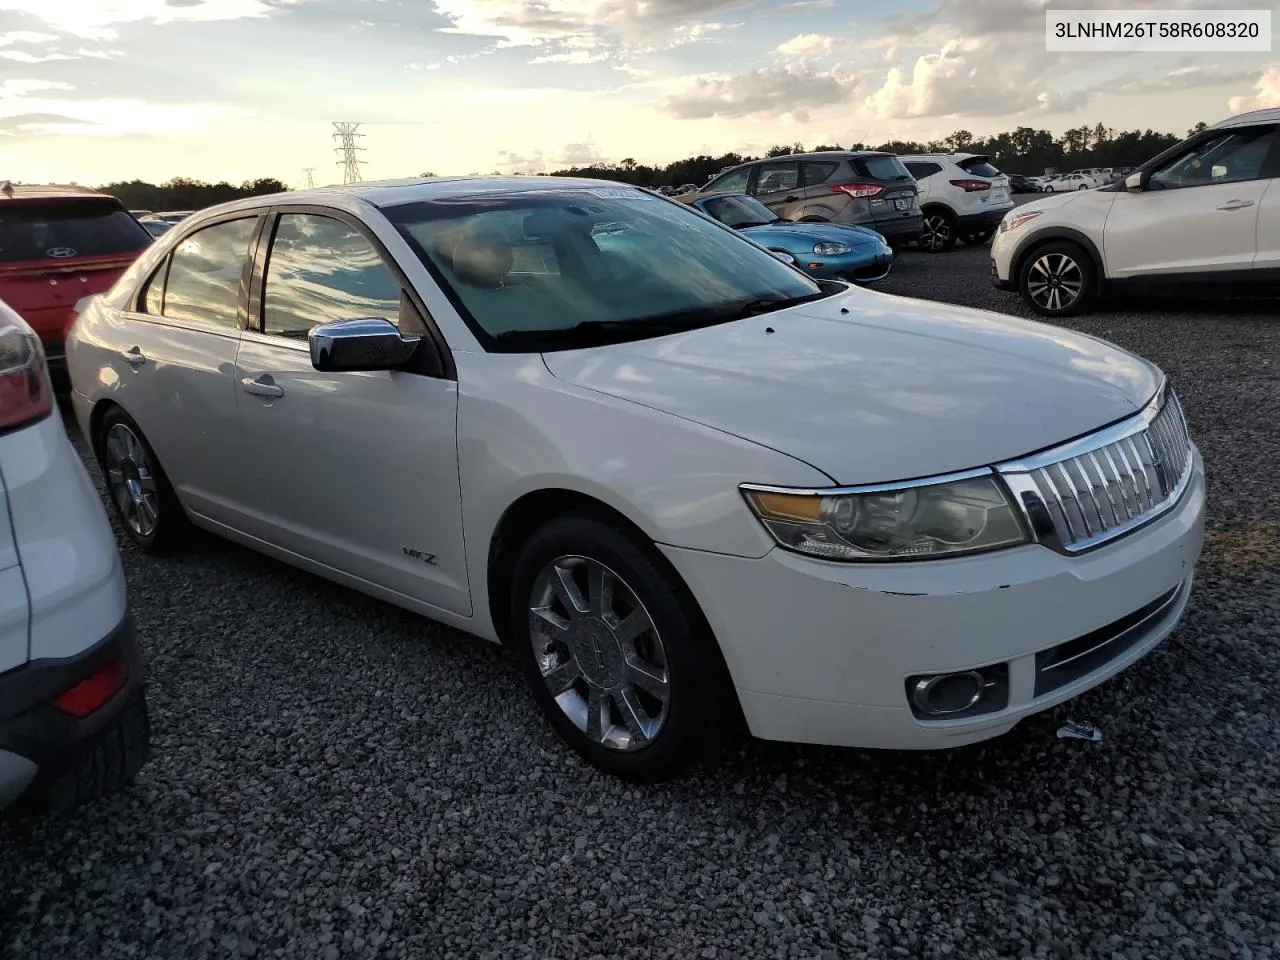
x=1157, y=31
x=615, y=193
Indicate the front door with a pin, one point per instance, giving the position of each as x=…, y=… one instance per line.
x=777, y=186
x=357, y=471
x=1198, y=212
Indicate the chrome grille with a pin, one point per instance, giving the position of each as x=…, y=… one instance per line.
x=1097, y=488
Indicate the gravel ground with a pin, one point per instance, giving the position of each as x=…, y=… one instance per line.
x=334, y=778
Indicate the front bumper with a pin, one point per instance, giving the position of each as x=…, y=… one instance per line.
x=37, y=738
x=822, y=652
x=856, y=267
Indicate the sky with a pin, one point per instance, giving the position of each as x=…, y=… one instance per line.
x=94, y=91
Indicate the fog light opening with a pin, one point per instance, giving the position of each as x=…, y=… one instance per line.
x=948, y=693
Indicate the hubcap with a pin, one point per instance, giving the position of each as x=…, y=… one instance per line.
x=131, y=480
x=1055, y=281
x=936, y=233
x=599, y=653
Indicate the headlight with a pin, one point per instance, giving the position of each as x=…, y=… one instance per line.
x=830, y=249
x=964, y=515
x=1015, y=220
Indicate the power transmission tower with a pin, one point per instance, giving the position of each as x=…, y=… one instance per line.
x=311, y=176
x=346, y=134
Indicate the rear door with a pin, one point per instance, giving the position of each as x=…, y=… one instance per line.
x=55, y=250
x=815, y=175
x=923, y=171
x=173, y=362
x=777, y=186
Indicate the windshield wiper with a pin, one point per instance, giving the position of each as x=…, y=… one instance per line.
x=751, y=308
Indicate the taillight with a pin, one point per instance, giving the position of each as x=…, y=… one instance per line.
x=858, y=189
x=972, y=186
x=25, y=393
x=93, y=691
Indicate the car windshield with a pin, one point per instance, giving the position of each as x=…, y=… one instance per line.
x=739, y=212
x=62, y=229
x=540, y=268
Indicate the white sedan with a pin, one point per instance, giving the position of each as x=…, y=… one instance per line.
x=1070, y=182
x=691, y=488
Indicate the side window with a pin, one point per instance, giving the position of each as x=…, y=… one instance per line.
x=206, y=274
x=812, y=174
x=735, y=181
x=920, y=169
x=775, y=177
x=1227, y=158
x=320, y=270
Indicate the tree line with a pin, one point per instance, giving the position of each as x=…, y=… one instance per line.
x=183, y=193
x=1024, y=150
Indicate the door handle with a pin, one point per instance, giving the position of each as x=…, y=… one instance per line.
x=790, y=199
x=260, y=388
x=133, y=356
x=1236, y=205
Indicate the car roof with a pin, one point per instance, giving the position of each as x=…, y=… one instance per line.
x=390, y=193
x=943, y=156
x=1269, y=115
x=15, y=192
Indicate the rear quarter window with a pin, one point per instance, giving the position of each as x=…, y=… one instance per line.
x=62, y=230
x=816, y=172
x=978, y=167
x=921, y=168
x=881, y=168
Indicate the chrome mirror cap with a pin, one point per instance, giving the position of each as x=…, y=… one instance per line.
x=370, y=343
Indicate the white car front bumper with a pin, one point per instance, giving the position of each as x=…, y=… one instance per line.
x=823, y=652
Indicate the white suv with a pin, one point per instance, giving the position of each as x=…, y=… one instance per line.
x=962, y=197
x=1199, y=217
x=73, y=715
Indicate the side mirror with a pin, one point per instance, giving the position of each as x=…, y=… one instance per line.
x=367, y=344
x=1133, y=182
x=784, y=257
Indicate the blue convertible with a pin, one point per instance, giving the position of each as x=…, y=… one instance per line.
x=828, y=250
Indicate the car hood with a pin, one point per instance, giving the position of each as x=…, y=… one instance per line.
x=806, y=233
x=892, y=389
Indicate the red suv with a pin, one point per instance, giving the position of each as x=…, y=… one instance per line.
x=57, y=245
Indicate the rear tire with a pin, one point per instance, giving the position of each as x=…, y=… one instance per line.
x=139, y=490
x=1058, y=279
x=616, y=652
x=938, y=231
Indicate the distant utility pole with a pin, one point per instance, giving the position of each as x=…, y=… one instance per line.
x=346, y=133
x=311, y=176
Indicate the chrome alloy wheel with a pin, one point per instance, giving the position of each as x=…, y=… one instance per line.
x=131, y=479
x=1055, y=281
x=936, y=232
x=599, y=653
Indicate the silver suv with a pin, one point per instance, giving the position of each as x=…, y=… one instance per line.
x=866, y=188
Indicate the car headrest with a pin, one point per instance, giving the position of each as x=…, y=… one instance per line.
x=482, y=256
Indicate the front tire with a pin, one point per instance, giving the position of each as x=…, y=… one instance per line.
x=616, y=652
x=938, y=232
x=139, y=490
x=1058, y=280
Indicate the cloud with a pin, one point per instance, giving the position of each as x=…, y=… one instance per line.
x=531, y=22
x=580, y=154
x=98, y=54
x=25, y=36
x=21, y=56
x=772, y=91
x=1181, y=78
x=97, y=19
x=970, y=77
x=810, y=45
x=21, y=87
x=509, y=162
x=425, y=66
x=579, y=48
x=38, y=123
x=1266, y=92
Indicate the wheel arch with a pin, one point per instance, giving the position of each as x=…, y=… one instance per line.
x=1059, y=235
x=97, y=413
